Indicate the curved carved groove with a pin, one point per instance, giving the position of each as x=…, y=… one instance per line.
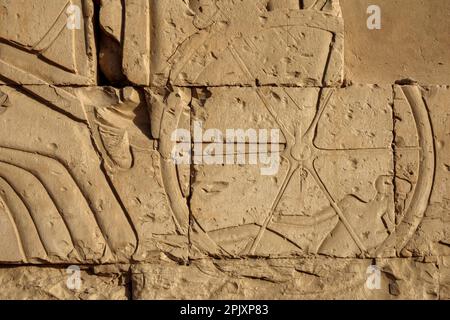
x=51, y=228
x=179, y=207
x=58, y=98
x=17, y=251
x=51, y=42
x=29, y=237
x=201, y=239
x=427, y=165
x=214, y=36
x=30, y=64
x=97, y=195
x=53, y=32
x=169, y=122
x=78, y=217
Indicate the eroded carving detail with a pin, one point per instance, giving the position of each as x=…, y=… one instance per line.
x=74, y=213
x=46, y=50
x=368, y=208
x=87, y=175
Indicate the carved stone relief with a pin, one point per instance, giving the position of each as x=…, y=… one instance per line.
x=88, y=177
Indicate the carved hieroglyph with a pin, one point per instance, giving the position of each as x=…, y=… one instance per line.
x=87, y=174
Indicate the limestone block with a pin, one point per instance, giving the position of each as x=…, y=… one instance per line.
x=54, y=283
x=221, y=149
x=204, y=42
x=81, y=178
x=332, y=191
x=285, y=279
x=110, y=40
x=50, y=42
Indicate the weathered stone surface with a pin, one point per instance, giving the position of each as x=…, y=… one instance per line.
x=138, y=171
x=204, y=42
x=51, y=283
x=47, y=42
x=444, y=279
x=230, y=43
x=333, y=192
x=219, y=151
x=411, y=44
x=320, y=278
x=432, y=237
x=101, y=199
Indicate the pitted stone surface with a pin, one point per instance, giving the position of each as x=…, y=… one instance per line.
x=304, y=174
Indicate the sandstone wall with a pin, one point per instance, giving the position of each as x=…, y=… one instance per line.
x=93, y=205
